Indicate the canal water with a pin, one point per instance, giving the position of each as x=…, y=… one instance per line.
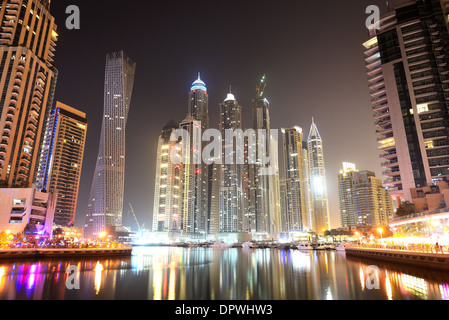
x=172, y=273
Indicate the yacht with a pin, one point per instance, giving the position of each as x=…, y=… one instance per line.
x=304, y=246
x=340, y=247
x=221, y=245
x=247, y=245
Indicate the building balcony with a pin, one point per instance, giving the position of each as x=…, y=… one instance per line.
x=375, y=79
x=387, y=144
x=380, y=108
x=36, y=99
x=390, y=164
x=378, y=85
x=378, y=100
x=38, y=93
x=383, y=122
x=391, y=173
x=384, y=132
x=391, y=182
x=382, y=116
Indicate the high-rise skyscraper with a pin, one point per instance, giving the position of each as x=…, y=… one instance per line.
x=320, y=205
x=231, y=173
x=363, y=200
x=407, y=66
x=295, y=180
x=27, y=82
x=167, y=214
x=283, y=195
x=195, y=201
x=62, y=160
x=105, y=206
x=265, y=201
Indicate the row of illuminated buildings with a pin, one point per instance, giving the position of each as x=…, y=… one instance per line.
x=228, y=198
x=41, y=146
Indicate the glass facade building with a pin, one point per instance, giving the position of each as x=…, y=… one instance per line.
x=62, y=160
x=105, y=206
x=407, y=66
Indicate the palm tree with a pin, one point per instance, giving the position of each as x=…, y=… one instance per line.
x=406, y=208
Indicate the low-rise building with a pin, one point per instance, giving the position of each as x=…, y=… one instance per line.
x=27, y=211
x=431, y=197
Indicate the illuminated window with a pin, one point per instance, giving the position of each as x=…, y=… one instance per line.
x=422, y=108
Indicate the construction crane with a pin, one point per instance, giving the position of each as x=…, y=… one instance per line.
x=261, y=87
x=137, y=222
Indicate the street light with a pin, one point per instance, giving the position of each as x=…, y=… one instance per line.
x=380, y=231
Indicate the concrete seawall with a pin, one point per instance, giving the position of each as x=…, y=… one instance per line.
x=435, y=261
x=64, y=253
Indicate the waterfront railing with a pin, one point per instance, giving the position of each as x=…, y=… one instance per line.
x=419, y=248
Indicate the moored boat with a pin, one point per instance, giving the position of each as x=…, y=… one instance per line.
x=304, y=246
x=247, y=245
x=221, y=245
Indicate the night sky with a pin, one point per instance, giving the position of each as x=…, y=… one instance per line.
x=311, y=52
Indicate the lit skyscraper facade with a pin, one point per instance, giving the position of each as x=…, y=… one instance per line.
x=27, y=82
x=295, y=180
x=62, y=160
x=231, y=187
x=320, y=206
x=363, y=200
x=167, y=214
x=265, y=187
x=105, y=206
x=407, y=67
x=195, y=201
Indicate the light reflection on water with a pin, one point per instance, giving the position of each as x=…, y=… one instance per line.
x=164, y=273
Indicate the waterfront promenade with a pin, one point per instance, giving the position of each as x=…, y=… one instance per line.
x=434, y=257
x=37, y=253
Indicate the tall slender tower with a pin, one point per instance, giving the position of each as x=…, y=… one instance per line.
x=27, y=83
x=62, y=160
x=104, y=211
x=407, y=67
x=320, y=206
x=266, y=193
x=295, y=179
x=167, y=186
x=195, y=201
x=231, y=192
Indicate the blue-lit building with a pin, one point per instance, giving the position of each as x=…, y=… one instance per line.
x=62, y=159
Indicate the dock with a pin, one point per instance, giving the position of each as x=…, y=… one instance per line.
x=40, y=253
x=429, y=260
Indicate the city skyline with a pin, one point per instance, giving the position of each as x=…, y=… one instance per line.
x=292, y=86
x=215, y=151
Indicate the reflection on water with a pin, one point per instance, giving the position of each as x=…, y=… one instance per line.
x=163, y=273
